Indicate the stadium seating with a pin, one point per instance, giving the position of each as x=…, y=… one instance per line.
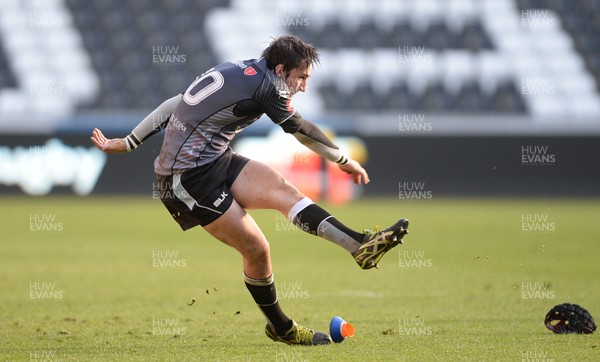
x=7, y=80
x=423, y=56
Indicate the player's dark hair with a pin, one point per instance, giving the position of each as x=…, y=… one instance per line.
x=290, y=51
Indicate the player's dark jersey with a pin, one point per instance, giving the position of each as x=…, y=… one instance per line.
x=217, y=105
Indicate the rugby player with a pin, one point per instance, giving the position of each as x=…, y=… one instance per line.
x=203, y=182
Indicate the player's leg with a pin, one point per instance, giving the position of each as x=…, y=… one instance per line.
x=202, y=196
x=259, y=186
x=237, y=229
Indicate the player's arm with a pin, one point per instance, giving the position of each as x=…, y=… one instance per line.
x=152, y=124
x=312, y=137
x=275, y=101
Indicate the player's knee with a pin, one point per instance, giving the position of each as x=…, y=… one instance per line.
x=260, y=252
x=288, y=192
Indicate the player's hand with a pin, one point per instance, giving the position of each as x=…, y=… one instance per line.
x=114, y=145
x=358, y=173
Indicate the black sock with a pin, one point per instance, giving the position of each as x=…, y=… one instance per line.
x=353, y=234
x=264, y=294
x=313, y=219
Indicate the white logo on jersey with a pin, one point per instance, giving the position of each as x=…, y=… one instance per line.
x=240, y=64
x=284, y=94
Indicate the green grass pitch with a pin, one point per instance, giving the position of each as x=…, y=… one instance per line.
x=112, y=279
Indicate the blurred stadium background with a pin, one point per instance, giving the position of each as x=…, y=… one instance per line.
x=445, y=97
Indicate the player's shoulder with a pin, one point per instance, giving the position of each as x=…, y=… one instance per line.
x=249, y=68
x=272, y=81
x=253, y=73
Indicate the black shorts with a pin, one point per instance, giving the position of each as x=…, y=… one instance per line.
x=199, y=196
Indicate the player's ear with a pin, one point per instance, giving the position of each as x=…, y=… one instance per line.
x=279, y=71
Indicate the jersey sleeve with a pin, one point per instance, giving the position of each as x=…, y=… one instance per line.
x=312, y=137
x=275, y=99
x=152, y=124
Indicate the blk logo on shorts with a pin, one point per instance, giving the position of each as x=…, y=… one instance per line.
x=220, y=199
